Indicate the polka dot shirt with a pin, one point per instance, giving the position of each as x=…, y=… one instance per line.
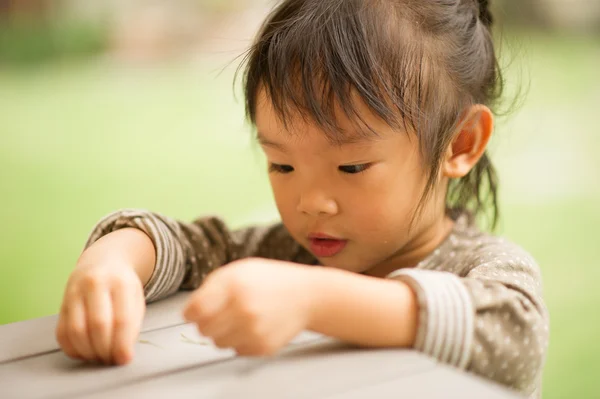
x=480, y=296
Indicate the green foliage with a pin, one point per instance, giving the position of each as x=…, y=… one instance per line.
x=28, y=42
x=80, y=140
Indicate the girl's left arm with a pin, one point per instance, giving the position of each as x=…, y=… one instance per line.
x=485, y=314
x=491, y=322
x=256, y=306
x=363, y=310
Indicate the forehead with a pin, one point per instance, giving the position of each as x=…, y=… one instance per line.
x=298, y=126
x=313, y=141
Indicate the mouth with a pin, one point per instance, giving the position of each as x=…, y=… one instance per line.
x=325, y=246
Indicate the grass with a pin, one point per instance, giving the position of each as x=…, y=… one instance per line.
x=80, y=140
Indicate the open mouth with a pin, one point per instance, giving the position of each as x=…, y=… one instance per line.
x=326, y=247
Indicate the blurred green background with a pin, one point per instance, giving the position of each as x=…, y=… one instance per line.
x=127, y=104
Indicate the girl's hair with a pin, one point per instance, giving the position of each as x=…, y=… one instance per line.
x=416, y=64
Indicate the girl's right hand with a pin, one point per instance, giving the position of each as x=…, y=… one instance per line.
x=102, y=312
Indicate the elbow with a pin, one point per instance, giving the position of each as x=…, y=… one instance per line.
x=512, y=354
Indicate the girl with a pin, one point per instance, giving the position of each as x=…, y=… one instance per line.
x=374, y=116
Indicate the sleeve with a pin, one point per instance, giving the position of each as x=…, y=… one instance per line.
x=491, y=322
x=187, y=252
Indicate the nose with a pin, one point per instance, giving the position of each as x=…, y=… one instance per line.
x=317, y=203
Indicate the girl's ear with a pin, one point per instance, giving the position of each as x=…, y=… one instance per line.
x=470, y=141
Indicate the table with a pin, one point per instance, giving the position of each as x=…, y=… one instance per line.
x=172, y=360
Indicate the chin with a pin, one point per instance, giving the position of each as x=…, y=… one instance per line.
x=343, y=265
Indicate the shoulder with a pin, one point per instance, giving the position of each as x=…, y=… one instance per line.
x=469, y=250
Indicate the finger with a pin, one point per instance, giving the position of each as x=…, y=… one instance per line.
x=246, y=349
x=231, y=338
x=128, y=317
x=99, y=317
x=62, y=337
x=206, y=302
x=226, y=331
x=77, y=330
x=248, y=343
x=220, y=325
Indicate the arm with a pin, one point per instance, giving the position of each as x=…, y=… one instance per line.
x=103, y=303
x=186, y=252
x=130, y=246
x=256, y=306
x=133, y=257
x=490, y=322
x=363, y=310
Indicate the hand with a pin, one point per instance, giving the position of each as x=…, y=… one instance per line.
x=255, y=306
x=102, y=311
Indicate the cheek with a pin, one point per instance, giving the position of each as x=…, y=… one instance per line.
x=376, y=212
x=284, y=196
x=387, y=203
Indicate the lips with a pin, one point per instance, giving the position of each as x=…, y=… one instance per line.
x=324, y=246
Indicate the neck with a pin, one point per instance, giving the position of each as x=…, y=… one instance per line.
x=418, y=248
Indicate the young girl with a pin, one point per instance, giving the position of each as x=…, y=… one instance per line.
x=374, y=117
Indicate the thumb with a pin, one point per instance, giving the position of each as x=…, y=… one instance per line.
x=208, y=301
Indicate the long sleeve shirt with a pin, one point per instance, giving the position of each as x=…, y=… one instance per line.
x=479, y=295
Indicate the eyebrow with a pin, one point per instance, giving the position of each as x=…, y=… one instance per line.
x=342, y=141
x=268, y=143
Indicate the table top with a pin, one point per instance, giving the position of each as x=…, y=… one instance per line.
x=172, y=359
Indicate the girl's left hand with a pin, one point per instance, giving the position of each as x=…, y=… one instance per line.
x=255, y=306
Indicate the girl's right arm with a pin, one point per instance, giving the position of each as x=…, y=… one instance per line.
x=187, y=252
x=133, y=257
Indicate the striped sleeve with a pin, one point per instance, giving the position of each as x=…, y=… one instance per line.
x=170, y=252
x=491, y=322
x=446, y=319
x=187, y=252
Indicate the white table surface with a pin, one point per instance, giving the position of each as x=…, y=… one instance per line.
x=172, y=360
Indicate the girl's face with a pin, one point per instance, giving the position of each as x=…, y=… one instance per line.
x=360, y=194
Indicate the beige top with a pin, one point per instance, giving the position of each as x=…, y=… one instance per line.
x=480, y=296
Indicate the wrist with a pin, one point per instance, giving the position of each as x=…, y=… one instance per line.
x=363, y=310
x=313, y=291
x=127, y=247
x=321, y=282
x=410, y=313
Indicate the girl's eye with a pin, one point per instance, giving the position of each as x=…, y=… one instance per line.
x=273, y=167
x=354, y=169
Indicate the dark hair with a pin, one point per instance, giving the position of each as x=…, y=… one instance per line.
x=416, y=64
